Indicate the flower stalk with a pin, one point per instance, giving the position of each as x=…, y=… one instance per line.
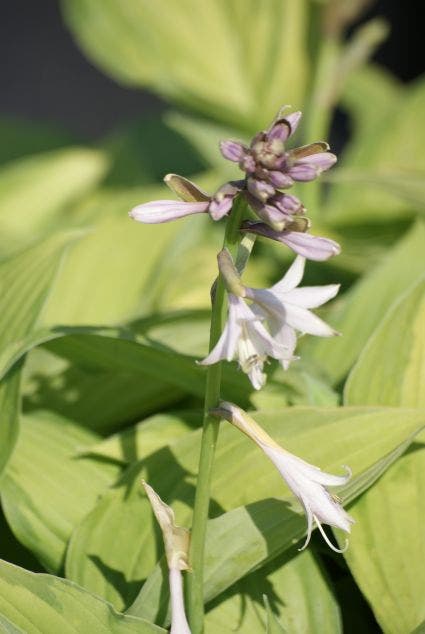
x=209, y=433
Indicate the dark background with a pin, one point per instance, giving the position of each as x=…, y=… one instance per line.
x=45, y=77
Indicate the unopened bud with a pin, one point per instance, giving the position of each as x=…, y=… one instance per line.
x=230, y=274
x=185, y=189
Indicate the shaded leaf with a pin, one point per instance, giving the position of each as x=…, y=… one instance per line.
x=298, y=598
x=46, y=489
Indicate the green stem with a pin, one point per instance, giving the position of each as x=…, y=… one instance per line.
x=209, y=437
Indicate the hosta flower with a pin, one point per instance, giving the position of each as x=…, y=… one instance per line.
x=286, y=307
x=269, y=166
x=193, y=201
x=245, y=338
x=310, y=247
x=307, y=482
x=176, y=541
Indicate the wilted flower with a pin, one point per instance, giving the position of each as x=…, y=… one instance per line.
x=286, y=308
x=176, y=541
x=307, y=482
x=245, y=338
x=193, y=201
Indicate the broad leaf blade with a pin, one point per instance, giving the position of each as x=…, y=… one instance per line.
x=47, y=490
x=357, y=439
x=43, y=604
x=384, y=553
x=25, y=281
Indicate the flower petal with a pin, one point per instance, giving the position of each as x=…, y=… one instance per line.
x=293, y=119
x=310, y=247
x=311, y=296
x=159, y=211
x=302, y=173
x=292, y=277
x=320, y=162
x=232, y=150
x=304, y=321
x=225, y=347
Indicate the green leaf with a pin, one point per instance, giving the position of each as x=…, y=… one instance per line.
x=162, y=46
x=383, y=555
x=362, y=308
x=114, y=570
x=35, y=191
x=46, y=489
x=143, y=439
x=390, y=371
x=43, y=604
x=103, y=278
x=25, y=281
x=389, y=138
x=298, y=596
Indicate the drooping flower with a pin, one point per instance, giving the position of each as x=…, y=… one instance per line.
x=176, y=542
x=285, y=307
x=245, y=338
x=267, y=163
x=192, y=201
x=310, y=247
x=307, y=482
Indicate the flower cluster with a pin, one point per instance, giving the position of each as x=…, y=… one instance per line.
x=269, y=168
x=284, y=308
x=262, y=322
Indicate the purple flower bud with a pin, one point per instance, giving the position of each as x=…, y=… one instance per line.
x=320, y=162
x=260, y=189
x=304, y=244
x=233, y=150
x=247, y=164
x=293, y=119
x=302, y=173
x=222, y=201
x=280, y=130
x=280, y=179
x=287, y=203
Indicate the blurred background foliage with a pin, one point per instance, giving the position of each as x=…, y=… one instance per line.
x=102, y=320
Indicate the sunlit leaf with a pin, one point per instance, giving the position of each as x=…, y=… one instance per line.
x=43, y=604
x=116, y=570
x=363, y=307
x=36, y=191
x=162, y=46
x=25, y=281
x=385, y=552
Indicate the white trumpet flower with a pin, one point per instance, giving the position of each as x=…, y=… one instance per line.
x=245, y=338
x=176, y=542
x=307, y=482
x=285, y=307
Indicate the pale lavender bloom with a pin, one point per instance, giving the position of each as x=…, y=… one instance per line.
x=176, y=542
x=245, y=338
x=159, y=211
x=194, y=201
x=285, y=307
x=307, y=482
x=310, y=247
